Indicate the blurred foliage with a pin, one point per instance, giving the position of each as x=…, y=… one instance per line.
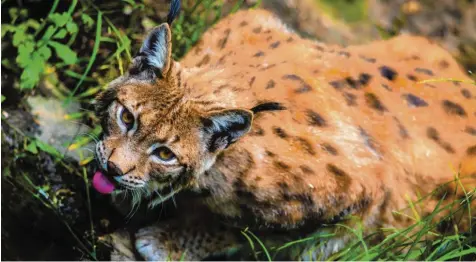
x=348, y=10
x=35, y=40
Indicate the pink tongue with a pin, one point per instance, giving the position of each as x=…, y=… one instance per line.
x=102, y=184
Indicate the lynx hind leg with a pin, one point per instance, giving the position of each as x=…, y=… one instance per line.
x=188, y=242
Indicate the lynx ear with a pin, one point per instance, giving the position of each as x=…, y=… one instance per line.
x=155, y=54
x=223, y=128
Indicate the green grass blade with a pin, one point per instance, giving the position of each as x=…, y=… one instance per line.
x=453, y=255
x=97, y=41
x=262, y=246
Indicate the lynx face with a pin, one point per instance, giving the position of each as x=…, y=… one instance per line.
x=154, y=137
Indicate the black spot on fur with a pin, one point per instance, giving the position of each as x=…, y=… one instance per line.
x=412, y=77
x=270, y=84
x=424, y=71
x=258, y=54
x=364, y=79
x=315, y=119
x=268, y=106
x=401, y=129
x=414, y=101
x=270, y=154
x=374, y=102
x=257, y=30
x=337, y=84
x=470, y=130
x=305, y=87
x=335, y=170
x=453, y=108
x=281, y=165
x=224, y=40
x=274, y=45
x=243, y=23
x=388, y=73
x=280, y=132
x=444, y=64
x=352, y=83
x=252, y=80
x=289, y=40
x=221, y=60
x=466, y=93
x=350, y=99
x=329, y=149
x=205, y=60
x=433, y=134
x=306, y=169
x=306, y=145
x=471, y=151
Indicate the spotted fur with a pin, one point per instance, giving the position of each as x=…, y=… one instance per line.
x=340, y=132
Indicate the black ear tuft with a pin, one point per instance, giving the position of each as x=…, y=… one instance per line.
x=225, y=127
x=268, y=106
x=173, y=12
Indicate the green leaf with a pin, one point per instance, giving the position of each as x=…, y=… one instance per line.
x=87, y=20
x=24, y=54
x=19, y=37
x=60, y=19
x=61, y=34
x=64, y=52
x=3, y=98
x=72, y=27
x=48, y=149
x=32, y=72
x=7, y=28
x=32, y=148
x=13, y=12
x=44, y=52
x=50, y=31
x=33, y=24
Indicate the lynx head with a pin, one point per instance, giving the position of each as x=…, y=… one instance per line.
x=155, y=138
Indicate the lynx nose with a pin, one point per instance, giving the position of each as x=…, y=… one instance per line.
x=113, y=169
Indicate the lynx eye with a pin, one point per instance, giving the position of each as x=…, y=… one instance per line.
x=164, y=154
x=127, y=118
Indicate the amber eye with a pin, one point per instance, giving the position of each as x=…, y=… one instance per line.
x=127, y=118
x=164, y=154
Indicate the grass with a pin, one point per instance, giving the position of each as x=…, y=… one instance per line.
x=100, y=36
x=420, y=241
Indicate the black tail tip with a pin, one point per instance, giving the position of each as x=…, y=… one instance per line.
x=174, y=11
